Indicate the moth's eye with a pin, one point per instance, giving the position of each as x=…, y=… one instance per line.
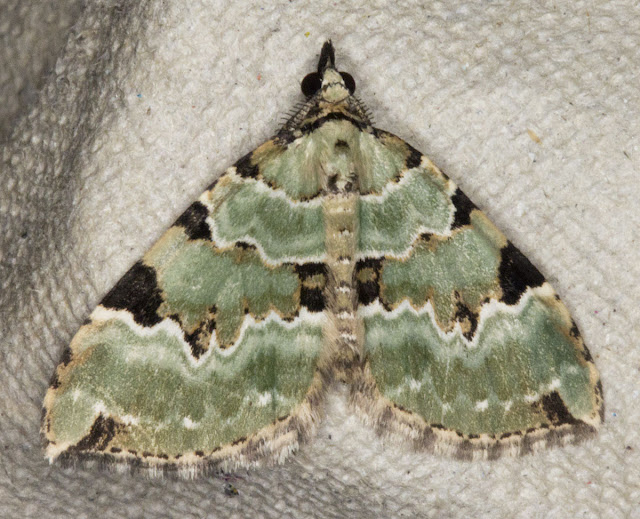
x=349, y=82
x=311, y=84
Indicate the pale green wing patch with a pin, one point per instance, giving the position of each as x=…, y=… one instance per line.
x=134, y=391
x=525, y=381
x=462, y=269
x=198, y=281
x=391, y=221
x=292, y=168
x=522, y=370
x=248, y=211
x=404, y=196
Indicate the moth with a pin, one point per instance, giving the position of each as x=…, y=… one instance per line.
x=333, y=253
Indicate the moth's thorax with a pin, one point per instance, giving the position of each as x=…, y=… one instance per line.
x=338, y=148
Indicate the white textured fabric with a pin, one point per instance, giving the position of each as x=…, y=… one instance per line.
x=149, y=102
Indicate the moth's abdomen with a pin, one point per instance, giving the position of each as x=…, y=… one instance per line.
x=343, y=330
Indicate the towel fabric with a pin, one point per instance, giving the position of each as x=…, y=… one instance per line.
x=532, y=108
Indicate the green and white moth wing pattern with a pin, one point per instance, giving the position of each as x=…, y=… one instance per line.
x=333, y=252
x=468, y=350
x=208, y=351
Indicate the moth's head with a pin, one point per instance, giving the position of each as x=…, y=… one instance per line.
x=330, y=84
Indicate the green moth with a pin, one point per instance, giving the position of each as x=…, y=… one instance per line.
x=333, y=252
